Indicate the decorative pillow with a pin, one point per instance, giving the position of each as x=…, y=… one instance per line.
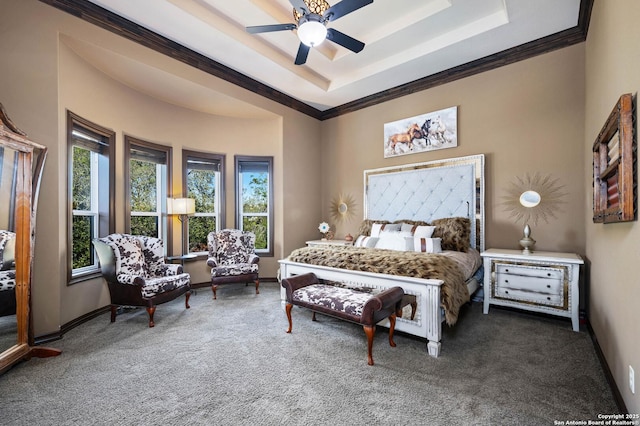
x=424, y=231
x=454, y=231
x=393, y=240
x=425, y=245
x=365, y=226
x=364, y=241
x=376, y=228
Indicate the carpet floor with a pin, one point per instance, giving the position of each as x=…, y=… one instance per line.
x=230, y=362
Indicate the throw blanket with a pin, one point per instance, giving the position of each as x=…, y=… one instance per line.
x=454, y=292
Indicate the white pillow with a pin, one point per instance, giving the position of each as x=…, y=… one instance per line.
x=364, y=241
x=376, y=228
x=424, y=231
x=425, y=245
x=392, y=241
x=407, y=227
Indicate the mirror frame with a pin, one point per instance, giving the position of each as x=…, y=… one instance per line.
x=27, y=186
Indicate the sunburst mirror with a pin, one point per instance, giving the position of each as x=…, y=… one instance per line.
x=531, y=198
x=342, y=208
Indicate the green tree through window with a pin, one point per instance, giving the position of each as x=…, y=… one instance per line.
x=255, y=199
x=204, y=175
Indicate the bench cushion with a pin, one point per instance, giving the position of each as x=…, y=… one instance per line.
x=335, y=298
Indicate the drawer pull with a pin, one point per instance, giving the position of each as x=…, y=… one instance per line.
x=506, y=281
x=548, y=274
x=506, y=270
x=548, y=286
x=548, y=298
x=506, y=292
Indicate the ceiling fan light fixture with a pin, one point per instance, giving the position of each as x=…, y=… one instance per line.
x=311, y=31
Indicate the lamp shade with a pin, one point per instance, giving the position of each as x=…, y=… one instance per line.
x=182, y=206
x=311, y=32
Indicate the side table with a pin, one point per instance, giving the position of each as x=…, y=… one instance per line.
x=544, y=282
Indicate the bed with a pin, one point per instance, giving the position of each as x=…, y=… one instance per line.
x=444, y=195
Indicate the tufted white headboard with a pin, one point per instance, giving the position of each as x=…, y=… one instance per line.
x=426, y=191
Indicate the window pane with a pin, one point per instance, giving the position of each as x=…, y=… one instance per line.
x=82, y=228
x=201, y=186
x=257, y=225
x=143, y=187
x=81, y=184
x=144, y=225
x=199, y=229
x=255, y=192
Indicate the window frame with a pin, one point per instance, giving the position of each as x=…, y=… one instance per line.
x=238, y=160
x=163, y=222
x=221, y=211
x=108, y=138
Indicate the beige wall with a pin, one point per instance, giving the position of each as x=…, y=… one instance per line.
x=526, y=118
x=612, y=69
x=42, y=78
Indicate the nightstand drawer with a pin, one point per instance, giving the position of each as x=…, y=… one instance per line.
x=542, y=285
x=555, y=300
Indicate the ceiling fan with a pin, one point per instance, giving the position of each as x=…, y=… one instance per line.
x=312, y=17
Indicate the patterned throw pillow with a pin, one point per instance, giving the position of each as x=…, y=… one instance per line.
x=425, y=245
x=364, y=241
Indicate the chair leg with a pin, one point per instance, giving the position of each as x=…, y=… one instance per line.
x=114, y=308
x=151, y=310
x=214, y=287
x=257, y=284
x=186, y=299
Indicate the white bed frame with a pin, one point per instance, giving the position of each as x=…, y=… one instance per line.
x=425, y=191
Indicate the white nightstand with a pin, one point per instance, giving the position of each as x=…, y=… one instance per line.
x=542, y=282
x=316, y=243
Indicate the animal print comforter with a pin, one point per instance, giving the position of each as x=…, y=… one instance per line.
x=454, y=292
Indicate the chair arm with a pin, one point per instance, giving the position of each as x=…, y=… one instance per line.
x=254, y=258
x=294, y=283
x=130, y=279
x=172, y=269
x=212, y=261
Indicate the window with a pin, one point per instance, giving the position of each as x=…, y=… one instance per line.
x=203, y=180
x=91, y=178
x=254, y=199
x=148, y=176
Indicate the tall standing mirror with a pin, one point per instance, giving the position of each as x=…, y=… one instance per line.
x=21, y=163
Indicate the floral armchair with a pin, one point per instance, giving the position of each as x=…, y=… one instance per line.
x=136, y=274
x=232, y=258
x=7, y=273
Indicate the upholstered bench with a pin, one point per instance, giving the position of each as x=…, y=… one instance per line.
x=347, y=304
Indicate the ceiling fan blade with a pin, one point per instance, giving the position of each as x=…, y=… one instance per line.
x=344, y=7
x=303, y=52
x=269, y=28
x=344, y=40
x=300, y=6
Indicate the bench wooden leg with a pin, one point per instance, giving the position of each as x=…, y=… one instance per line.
x=287, y=309
x=392, y=327
x=186, y=299
x=370, y=331
x=257, y=285
x=151, y=310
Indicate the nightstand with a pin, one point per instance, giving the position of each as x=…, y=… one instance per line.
x=316, y=243
x=541, y=282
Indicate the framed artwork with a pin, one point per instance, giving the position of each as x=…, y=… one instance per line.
x=614, y=159
x=426, y=132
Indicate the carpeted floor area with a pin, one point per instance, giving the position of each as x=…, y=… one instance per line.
x=230, y=362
